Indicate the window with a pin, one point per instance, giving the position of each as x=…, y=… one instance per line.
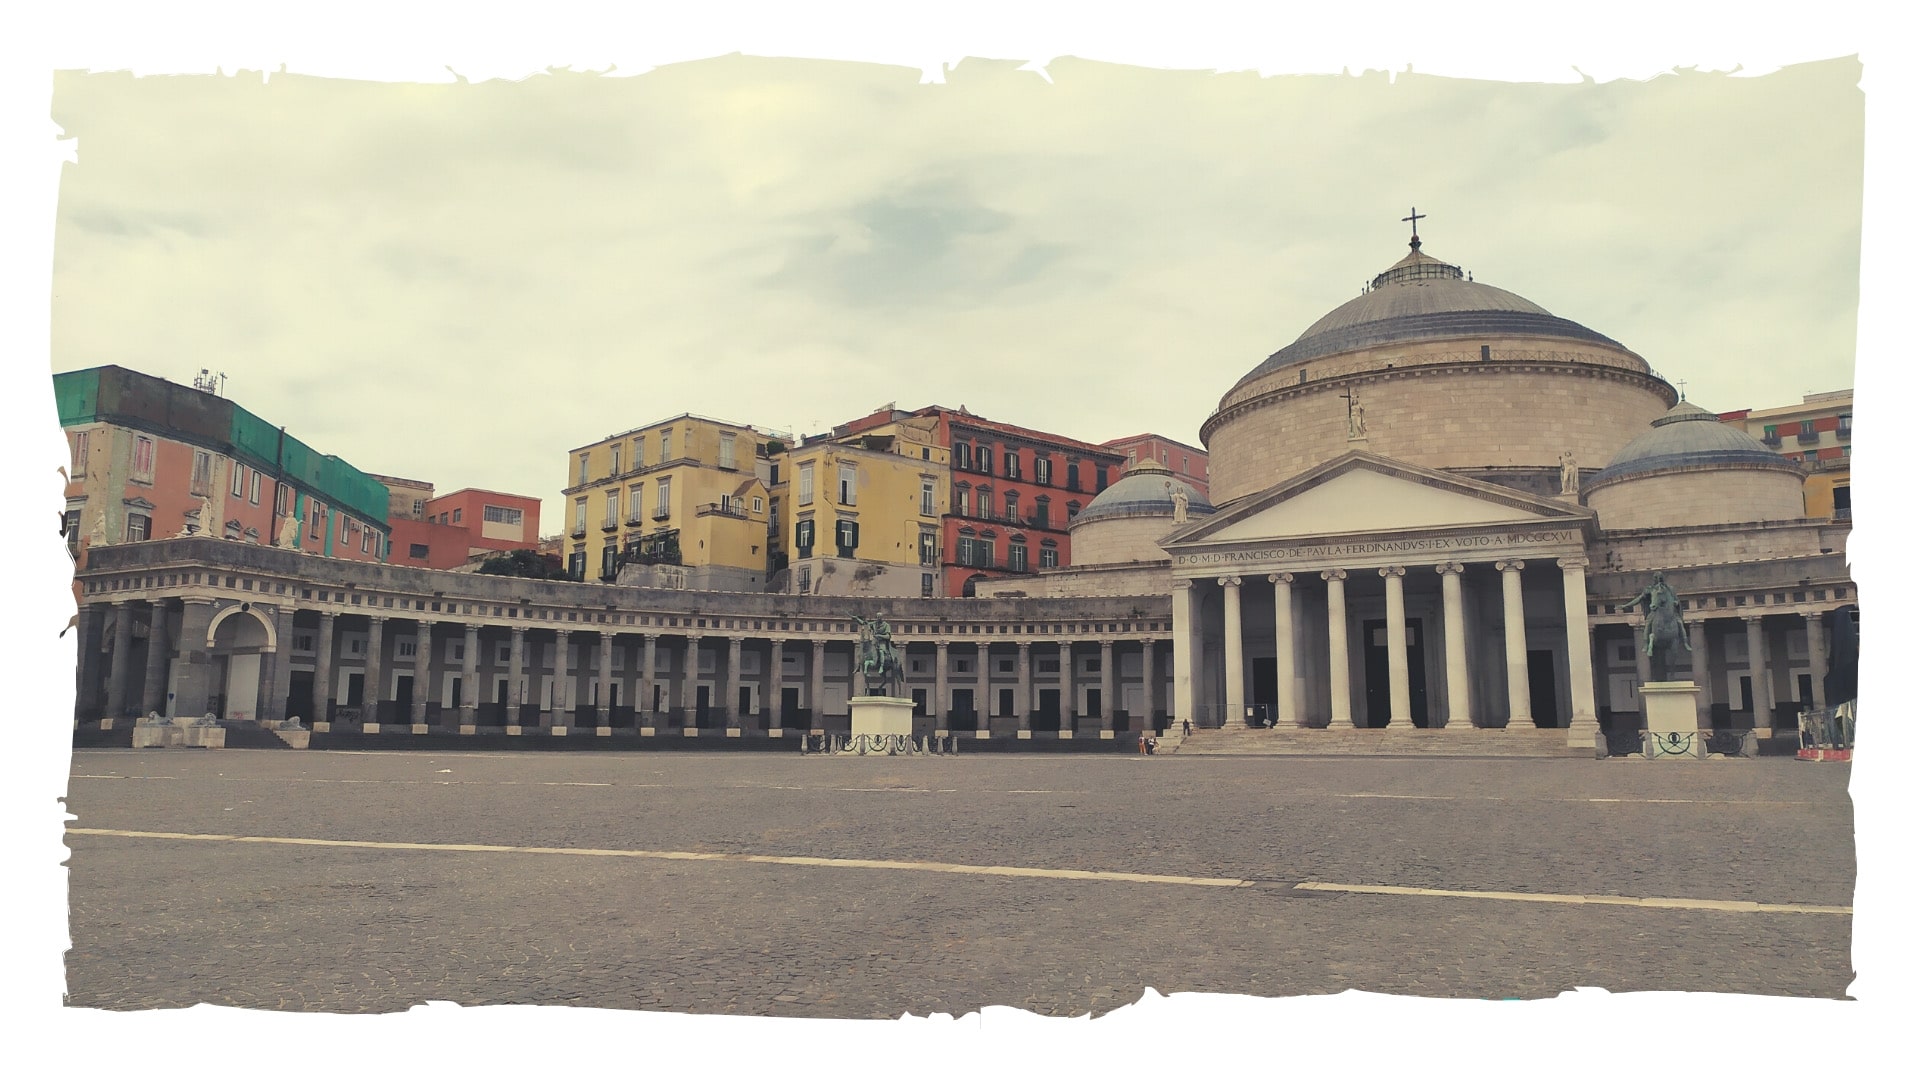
x=666, y=446
x=416, y=551
x=805, y=580
x=757, y=505
x=726, y=504
x=609, y=563
x=963, y=551
x=1017, y=555
x=803, y=539
x=139, y=527
x=1099, y=478
x=583, y=468
x=1049, y=558
x=504, y=515
x=847, y=475
x=404, y=648
x=143, y=459
x=1845, y=428
x=962, y=455
x=613, y=454
x=579, y=515
x=984, y=459
x=926, y=584
x=983, y=502
x=80, y=457
x=1073, y=510
x=663, y=506
x=577, y=565
x=1073, y=476
x=1013, y=464
x=983, y=552
x=253, y=487
x=202, y=471
x=928, y=549
x=1130, y=454
x=366, y=540
x=639, y=453
x=806, y=484
x=316, y=511
x=1013, y=506
x=419, y=507
x=846, y=537
x=960, y=496
x=926, y=498
x=613, y=509
x=456, y=516
x=1042, y=511
x=634, y=499
x=70, y=528
x=726, y=449
x=281, y=497
x=1042, y=469
x=239, y=479
x=1186, y=464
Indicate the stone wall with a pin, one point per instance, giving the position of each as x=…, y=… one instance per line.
x=1463, y=415
x=1153, y=581
x=1722, y=495
x=1121, y=539
x=1711, y=545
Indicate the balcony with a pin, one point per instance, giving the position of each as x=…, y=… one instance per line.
x=713, y=509
x=635, y=518
x=1808, y=438
x=609, y=525
x=579, y=531
x=1772, y=440
x=662, y=513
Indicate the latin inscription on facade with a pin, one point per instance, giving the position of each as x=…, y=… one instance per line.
x=1440, y=544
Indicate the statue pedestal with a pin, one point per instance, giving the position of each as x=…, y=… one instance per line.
x=873, y=715
x=1673, y=720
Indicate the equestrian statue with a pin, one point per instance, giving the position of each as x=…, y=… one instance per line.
x=1666, y=635
x=879, y=662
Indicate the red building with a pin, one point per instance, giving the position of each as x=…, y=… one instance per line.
x=1188, y=463
x=1014, y=490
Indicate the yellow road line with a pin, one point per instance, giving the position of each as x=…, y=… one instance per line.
x=1572, y=898
x=697, y=856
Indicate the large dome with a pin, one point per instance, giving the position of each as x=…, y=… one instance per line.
x=1691, y=469
x=1689, y=437
x=1421, y=298
x=1146, y=490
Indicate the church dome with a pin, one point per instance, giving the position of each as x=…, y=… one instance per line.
x=1692, y=469
x=1145, y=491
x=1688, y=437
x=1421, y=298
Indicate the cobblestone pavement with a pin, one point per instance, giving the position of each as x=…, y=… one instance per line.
x=170, y=922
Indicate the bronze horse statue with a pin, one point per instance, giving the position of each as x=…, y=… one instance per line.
x=1667, y=644
x=879, y=661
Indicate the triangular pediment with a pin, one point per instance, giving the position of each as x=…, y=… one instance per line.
x=1361, y=494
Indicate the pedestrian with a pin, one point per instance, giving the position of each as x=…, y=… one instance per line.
x=1151, y=743
x=1186, y=728
x=1143, y=744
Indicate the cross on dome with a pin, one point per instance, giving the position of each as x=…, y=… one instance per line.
x=1414, y=216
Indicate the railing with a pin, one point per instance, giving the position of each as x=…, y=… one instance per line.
x=722, y=510
x=1808, y=438
x=1771, y=440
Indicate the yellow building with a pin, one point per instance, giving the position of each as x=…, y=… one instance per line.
x=858, y=511
x=682, y=502
x=1818, y=434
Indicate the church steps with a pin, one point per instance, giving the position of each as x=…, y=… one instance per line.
x=1474, y=742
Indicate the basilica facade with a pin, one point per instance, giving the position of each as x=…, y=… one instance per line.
x=1428, y=512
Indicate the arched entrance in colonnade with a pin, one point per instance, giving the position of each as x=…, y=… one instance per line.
x=240, y=640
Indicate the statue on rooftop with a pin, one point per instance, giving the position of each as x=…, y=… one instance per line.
x=1179, y=495
x=1569, y=474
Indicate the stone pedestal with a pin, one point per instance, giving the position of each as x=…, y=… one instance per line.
x=881, y=715
x=1673, y=720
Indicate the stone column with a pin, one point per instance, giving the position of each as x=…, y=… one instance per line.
x=1181, y=708
x=322, y=669
x=777, y=661
x=940, y=722
x=817, y=691
x=1066, y=686
x=516, y=675
x=275, y=666
x=983, y=704
x=87, y=703
x=1339, y=682
x=370, y=697
x=120, y=671
x=1760, y=675
x=1702, y=672
x=1106, y=686
x=562, y=680
x=730, y=708
x=1519, y=701
x=605, y=717
x=1286, y=714
x=470, y=677
x=1817, y=657
x=1585, y=723
x=1399, y=697
x=193, y=665
x=649, y=656
x=1453, y=614
x=153, y=690
x=1236, y=678
x=422, y=669
x=1023, y=692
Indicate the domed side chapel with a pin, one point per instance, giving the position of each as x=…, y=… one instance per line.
x=1431, y=511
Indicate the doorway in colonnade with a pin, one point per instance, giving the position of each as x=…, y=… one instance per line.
x=702, y=701
x=789, y=705
x=1379, y=685
x=1543, y=690
x=1264, y=693
x=1047, y=715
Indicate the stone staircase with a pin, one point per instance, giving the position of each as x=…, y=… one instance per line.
x=1362, y=742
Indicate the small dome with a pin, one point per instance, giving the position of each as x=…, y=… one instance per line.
x=1689, y=437
x=1145, y=491
x=1422, y=298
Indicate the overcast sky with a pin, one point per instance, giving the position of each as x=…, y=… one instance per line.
x=461, y=282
